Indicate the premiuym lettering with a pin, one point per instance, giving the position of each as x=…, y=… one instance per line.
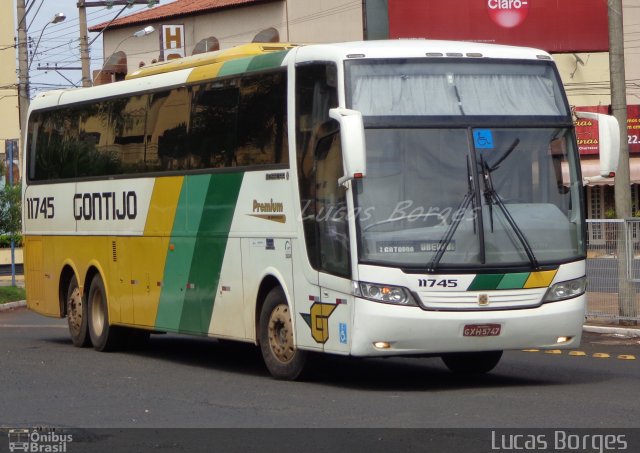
x=269, y=206
x=105, y=206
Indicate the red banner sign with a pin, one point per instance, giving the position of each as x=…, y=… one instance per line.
x=552, y=25
x=633, y=128
x=587, y=130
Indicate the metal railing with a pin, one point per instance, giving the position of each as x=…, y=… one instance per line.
x=613, y=270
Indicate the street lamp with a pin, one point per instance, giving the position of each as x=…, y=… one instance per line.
x=57, y=18
x=138, y=34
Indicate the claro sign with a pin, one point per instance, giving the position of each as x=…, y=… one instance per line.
x=508, y=13
x=552, y=25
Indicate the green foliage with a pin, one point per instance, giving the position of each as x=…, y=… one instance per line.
x=11, y=294
x=10, y=212
x=5, y=240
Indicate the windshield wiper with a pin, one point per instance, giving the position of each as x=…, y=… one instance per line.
x=444, y=242
x=491, y=197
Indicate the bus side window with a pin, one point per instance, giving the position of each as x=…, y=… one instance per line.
x=128, y=122
x=166, y=130
x=262, y=114
x=57, y=149
x=212, y=133
x=97, y=157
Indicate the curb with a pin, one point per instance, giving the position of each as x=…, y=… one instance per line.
x=11, y=305
x=623, y=331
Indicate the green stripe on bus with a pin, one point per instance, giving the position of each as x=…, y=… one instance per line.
x=267, y=61
x=485, y=282
x=210, y=245
x=176, y=272
x=514, y=281
x=234, y=66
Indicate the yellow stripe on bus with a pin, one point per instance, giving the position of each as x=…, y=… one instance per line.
x=163, y=205
x=204, y=72
x=540, y=279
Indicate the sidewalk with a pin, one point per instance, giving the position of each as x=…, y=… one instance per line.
x=5, y=280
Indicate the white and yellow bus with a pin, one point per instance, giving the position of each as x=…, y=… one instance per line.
x=368, y=199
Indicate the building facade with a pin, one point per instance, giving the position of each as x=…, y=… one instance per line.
x=9, y=126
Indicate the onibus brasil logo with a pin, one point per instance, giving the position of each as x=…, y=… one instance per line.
x=38, y=440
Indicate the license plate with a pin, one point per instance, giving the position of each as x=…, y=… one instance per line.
x=482, y=330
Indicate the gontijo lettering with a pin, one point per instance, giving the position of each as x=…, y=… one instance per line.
x=105, y=206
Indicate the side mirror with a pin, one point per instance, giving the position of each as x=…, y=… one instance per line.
x=609, y=141
x=354, y=154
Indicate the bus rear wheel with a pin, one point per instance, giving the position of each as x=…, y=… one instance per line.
x=76, y=310
x=280, y=355
x=104, y=337
x=472, y=362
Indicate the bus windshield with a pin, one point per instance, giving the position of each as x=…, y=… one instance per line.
x=471, y=194
x=515, y=203
x=428, y=87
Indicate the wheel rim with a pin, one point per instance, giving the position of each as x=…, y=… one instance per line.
x=74, y=310
x=97, y=315
x=281, y=334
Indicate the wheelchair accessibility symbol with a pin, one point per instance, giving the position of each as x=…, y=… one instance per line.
x=483, y=139
x=343, y=333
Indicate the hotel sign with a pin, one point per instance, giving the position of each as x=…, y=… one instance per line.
x=172, y=42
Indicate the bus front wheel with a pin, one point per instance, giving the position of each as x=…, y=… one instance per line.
x=77, y=315
x=472, y=362
x=103, y=336
x=280, y=355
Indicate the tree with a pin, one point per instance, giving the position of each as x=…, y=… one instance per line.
x=10, y=211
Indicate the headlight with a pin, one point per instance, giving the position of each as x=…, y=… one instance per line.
x=566, y=290
x=387, y=294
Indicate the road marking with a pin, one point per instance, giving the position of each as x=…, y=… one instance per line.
x=34, y=326
x=597, y=355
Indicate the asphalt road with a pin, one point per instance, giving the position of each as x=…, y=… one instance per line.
x=193, y=382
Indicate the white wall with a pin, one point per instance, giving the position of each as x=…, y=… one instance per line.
x=308, y=22
x=9, y=125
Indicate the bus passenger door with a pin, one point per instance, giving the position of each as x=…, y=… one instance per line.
x=332, y=225
x=323, y=297
x=323, y=282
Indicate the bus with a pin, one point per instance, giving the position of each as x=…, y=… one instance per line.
x=18, y=440
x=365, y=199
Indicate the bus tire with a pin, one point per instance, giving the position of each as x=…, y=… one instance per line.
x=103, y=336
x=472, y=362
x=283, y=360
x=76, y=310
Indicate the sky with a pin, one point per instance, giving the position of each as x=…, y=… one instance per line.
x=60, y=42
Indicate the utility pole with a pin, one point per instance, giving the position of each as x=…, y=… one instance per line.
x=23, y=72
x=84, y=45
x=84, y=40
x=626, y=292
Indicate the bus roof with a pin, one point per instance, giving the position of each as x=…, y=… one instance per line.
x=416, y=48
x=253, y=57
x=246, y=50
